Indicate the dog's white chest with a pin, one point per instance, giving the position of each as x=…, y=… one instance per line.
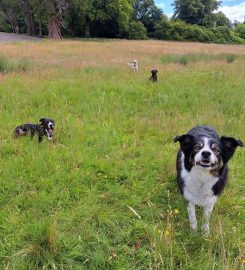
x=198, y=185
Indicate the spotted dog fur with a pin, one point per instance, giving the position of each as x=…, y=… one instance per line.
x=45, y=128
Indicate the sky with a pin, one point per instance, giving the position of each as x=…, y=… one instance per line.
x=233, y=9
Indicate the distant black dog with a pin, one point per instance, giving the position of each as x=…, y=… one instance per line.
x=153, y=77
x=46, y=128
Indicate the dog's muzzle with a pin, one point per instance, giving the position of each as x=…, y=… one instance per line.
x=205, y=160
x=50, y=133
x=205, y=163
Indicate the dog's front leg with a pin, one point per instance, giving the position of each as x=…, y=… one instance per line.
x=40, y=137
x=206, y=216
x=192, y=215
x=32, y=133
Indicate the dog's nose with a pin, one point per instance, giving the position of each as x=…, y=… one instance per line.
x=206, y=154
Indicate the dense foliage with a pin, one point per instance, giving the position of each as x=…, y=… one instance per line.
x=195, y=20
x=181, y=31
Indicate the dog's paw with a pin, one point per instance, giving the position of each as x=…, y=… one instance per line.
x=193, y=226
x=205, y=230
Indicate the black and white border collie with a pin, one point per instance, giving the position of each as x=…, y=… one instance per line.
x=46, y=128
x=202, y=169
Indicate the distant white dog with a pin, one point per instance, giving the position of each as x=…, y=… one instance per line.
x=134, y=65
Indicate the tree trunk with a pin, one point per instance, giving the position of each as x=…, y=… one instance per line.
x=54, y=29
x=13, y=21
x=87, y=29
x=54, y=21
x=40, y=29
x=29, y=18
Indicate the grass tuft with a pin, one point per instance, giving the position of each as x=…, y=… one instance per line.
x=230, y=58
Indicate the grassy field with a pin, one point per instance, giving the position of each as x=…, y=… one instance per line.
x=103, y=193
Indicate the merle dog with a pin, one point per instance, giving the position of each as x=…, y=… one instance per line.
x=46, y=128
x=202, y=169
x=153, y=77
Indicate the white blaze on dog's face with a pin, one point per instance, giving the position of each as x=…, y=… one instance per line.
x=48, y=127
x=50, y=130
x=206, y=154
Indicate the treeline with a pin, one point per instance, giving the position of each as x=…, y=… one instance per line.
x=194, y=20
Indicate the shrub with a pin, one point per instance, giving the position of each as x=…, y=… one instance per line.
x=181, y=31
x=237, y=39
x=240, y=30
x=178, y=31
x=199, y=33
x=183, y=60
x=137, y=30
x=162, y=28
x=230, y=58
x=222, y=34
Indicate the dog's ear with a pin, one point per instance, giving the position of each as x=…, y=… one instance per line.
x=42, y=120
x=185, y=141
x=229, y=146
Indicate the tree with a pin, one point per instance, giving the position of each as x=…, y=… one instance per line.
x=75, y=18
x=148, y=13
x=162, y=28
x=108, y=18
x=29, y=17
x=137, y=30
x=100, y=18
x=221, y=20
x=236, y=23
x=4, y=24
x=40, y=16
x=55, y=11
x=11, y=10
x=216, y=20
x=195, y=11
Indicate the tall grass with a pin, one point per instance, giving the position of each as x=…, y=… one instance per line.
x=7, y=64
x=193, y=58
x=103, y=193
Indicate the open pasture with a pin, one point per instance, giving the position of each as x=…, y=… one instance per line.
x=103, y=193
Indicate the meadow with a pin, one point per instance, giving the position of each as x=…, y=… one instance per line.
x=103, y=193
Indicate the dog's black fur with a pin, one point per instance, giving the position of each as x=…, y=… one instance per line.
x=46, y=128
x=153, y=77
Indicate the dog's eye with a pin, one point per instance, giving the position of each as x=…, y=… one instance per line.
x=216, y=150
x=197, y=148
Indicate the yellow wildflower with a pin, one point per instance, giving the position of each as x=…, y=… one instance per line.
x=176, y=211
x=242, y=261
